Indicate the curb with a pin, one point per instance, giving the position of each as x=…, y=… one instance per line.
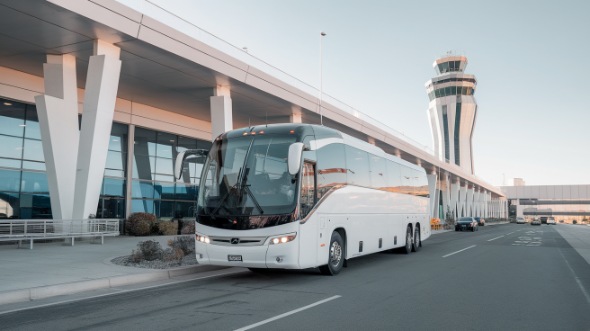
x=43, y=292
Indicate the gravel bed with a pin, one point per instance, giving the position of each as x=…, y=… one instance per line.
x=156, y=264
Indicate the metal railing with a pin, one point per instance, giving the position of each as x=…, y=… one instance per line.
x=30, y=230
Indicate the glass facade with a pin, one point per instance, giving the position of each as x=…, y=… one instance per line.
x=153, y=187
x=24, y=192
x=451, y=90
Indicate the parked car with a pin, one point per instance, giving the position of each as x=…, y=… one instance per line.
x=520, y=220
x=551, y=220
x=480, y=221
x=466, y=223
x=536, y=221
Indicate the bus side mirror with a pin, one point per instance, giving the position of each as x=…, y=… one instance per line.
x=183, y=156
x=294, y=160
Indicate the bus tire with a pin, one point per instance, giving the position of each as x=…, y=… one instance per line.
x=417, y=240
x=335, y=256
x=407, y=248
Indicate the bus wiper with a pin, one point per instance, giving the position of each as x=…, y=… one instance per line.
x=246, y=187
x=234, y=188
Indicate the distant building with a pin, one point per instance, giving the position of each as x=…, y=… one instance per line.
x=563, y=202
x=519, y=182
x=452, y=111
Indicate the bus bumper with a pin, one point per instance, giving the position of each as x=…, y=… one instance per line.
x=281, y=256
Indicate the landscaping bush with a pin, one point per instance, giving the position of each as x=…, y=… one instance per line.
x=172, y=254
x=149, y=250
x=168, y=228
x=186, y=244
x=140, y=224
x=188, y=227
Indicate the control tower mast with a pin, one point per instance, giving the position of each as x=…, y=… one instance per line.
x=452, y=111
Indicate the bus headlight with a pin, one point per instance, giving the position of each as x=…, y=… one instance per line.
x=283, y=238
x=203, y=238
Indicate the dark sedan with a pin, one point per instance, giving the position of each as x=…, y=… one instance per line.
x=466, y=224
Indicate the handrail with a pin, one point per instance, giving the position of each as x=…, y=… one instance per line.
x=30, y=230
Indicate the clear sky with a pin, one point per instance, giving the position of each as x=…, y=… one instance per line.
x=531, y=60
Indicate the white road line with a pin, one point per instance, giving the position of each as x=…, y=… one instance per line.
x=287, y=313
x=580, y=285
x=510, y=233
x=226, y=272
x=496, y=238
x=459, y=251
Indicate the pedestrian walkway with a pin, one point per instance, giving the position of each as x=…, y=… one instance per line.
x=57, y=268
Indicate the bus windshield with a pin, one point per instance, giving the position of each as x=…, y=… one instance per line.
x=244, y=177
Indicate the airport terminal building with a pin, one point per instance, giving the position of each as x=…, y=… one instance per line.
x=97, y=99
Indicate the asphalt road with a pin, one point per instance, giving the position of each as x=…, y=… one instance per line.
x=505, y=277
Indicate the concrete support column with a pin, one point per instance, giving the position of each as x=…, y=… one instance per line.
x=295, y=116
x=102, y=83
x=221, y=112
x=58, y=122
x=433, y=192
x=446, y=194
x=462, y=200
x=470, y=202
x=455, y=187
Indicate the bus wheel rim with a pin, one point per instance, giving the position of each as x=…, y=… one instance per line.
x=335, y=253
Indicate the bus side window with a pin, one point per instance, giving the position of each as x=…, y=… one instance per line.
x=307, y=198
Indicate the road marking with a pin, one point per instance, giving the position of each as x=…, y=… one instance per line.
x=580, y=285
x=459, y=251
x=251, y=326
x=496, y=238
x=510, y=233
x=225, y=272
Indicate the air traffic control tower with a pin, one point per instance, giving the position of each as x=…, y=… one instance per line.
x=452, y=111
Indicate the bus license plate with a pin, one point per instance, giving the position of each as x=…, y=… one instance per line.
x=234, y=258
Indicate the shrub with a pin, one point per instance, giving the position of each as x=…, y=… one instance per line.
x=188, y=227
x=186, y=244
x=140, y=224
x=168, y=228
x=172, y=254
x=150, y=250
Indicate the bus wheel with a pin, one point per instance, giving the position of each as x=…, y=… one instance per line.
x=407, y=249
x=417, y=243
x=335, y=257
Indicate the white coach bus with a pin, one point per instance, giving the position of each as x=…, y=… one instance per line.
x=297, y=196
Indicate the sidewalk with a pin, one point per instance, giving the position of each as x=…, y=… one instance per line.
x=55, y=268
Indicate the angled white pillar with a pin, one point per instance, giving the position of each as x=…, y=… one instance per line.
x=463, y=200
x=102, y=83
x=455, y=187
x=470, y=203
x=221, y=111
x=446, y=194
x=58, y=123
x=432, y=190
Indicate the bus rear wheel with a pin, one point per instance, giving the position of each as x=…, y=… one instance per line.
x=407, y=249
x=417, y=241
x=335, y=256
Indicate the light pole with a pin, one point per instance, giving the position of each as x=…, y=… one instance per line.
x=322, y=35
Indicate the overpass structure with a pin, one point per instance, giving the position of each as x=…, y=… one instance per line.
x=127, y=71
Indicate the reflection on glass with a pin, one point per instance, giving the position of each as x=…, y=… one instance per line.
x=33, y=150
x=11, y=147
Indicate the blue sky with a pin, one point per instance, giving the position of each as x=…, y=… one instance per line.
x=531, y=59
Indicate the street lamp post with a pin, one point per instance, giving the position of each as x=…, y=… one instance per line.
x=322, y=35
